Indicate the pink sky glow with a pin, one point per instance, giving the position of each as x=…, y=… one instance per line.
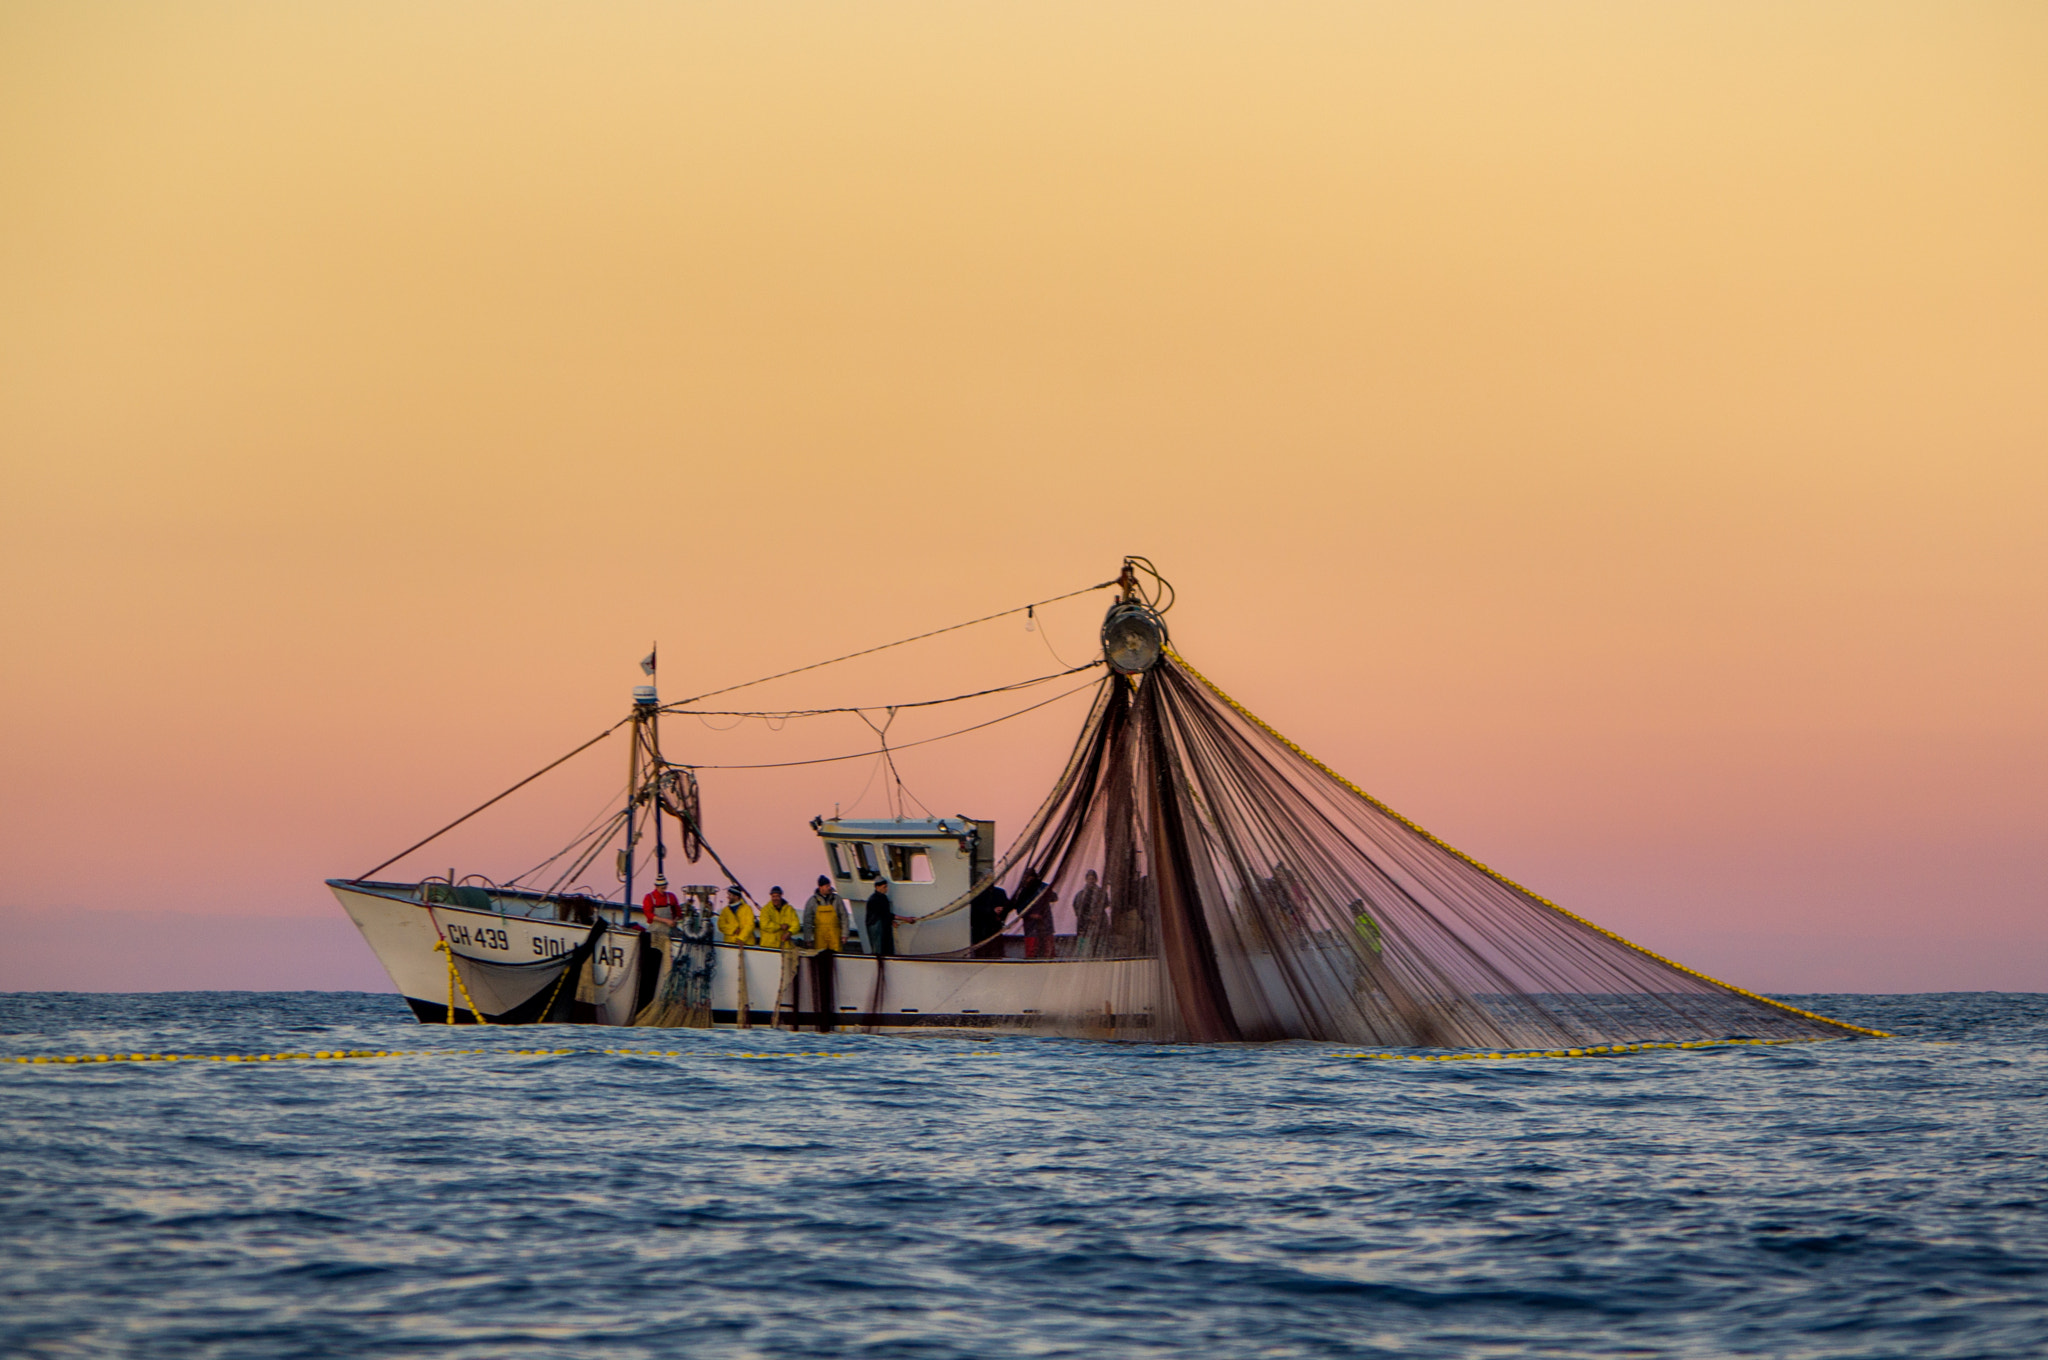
x=1617, y=436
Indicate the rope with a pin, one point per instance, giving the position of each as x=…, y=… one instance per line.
x=455, y=980
x=595, y=843
x=904, y=746
x=678, y=707
x=500, y=798
x=698, y=830
x=1605, y=1050
x=357, y=1054
x=604, y=814
x=1502, y=879
x=869, y=651
x=1026, y=838
x=548, y=1007
x=785, y=714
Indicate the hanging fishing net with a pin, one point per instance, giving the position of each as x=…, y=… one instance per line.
x=1192, y=875
x=1222, y=884
x=686, y=961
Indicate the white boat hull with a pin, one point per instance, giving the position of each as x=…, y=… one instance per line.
x=915, y=993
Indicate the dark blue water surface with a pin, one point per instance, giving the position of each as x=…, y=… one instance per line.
x=939, y=1197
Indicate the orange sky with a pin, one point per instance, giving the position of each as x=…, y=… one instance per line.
x=1617, y=435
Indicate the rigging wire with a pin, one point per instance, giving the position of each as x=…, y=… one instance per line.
x=500, y=798
x=868, y=651
x=1045, y=636
x=904, y=746
x=607, y=811
x=1161, y=589
x=889, y=763
x=784, y=714
x=881, y=732
x=873, y=770
x=584, y=861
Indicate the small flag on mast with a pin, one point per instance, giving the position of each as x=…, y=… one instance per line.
x=647, y=663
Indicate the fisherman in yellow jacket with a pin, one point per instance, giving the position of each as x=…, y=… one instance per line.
x=778, y=920
x=737, y=923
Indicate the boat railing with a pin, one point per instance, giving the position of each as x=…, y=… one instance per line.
x=475, y=893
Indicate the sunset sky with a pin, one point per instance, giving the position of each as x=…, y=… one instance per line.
x=1614, y=434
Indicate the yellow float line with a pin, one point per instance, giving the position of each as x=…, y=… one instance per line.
x=346, y=1054
x=1600, y=1051
x=678, y=1053
x=323, y=1054
x=1495, y=875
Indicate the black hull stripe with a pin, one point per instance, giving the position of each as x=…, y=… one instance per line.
x=436, y=1013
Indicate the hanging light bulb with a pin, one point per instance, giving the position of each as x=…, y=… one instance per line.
x=1031, y=618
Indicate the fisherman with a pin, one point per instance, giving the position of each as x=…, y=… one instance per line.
x=1033, y=904
x=826, y=922
x=778, y=920
x=659, y=903
x=823, y=933
x=1091, y=914
x=986, y=916
x=737, y=923
x=1132, y=925
x=881, y=920
x=1038, y=929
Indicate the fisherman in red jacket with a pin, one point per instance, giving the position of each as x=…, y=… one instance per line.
x=659, y=899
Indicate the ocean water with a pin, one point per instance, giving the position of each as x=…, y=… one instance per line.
x=937, y=1197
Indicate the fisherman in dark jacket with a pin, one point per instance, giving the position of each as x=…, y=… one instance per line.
x=1091, y=916
x=881, y=919
x=986, y=915
x=1034, y=907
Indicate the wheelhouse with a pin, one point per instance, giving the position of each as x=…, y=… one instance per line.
x=928, y=864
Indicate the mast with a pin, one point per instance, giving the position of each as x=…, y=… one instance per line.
x=632, y=803
x=646, y=710
x=656, y=768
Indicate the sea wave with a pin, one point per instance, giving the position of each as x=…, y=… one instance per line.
x=935, y=1196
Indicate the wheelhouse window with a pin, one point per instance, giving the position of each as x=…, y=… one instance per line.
x=909, y=864
x=859, y=859
x=839, y=861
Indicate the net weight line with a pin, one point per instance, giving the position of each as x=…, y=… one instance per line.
x=365, y=1054
x=1498, y=877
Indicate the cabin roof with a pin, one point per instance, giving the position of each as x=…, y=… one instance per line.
x=907, y=829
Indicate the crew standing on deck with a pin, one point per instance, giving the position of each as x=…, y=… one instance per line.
x=1038, y=925
x=778, y=920
x=660, y=903
x=986, y=916
x=824, y=931
x=882, y=920
x=1091, y=916
x=736, y=920
x=826, y=922
x=1034, y=907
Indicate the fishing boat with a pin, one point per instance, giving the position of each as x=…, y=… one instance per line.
x=507, y=953
x=1192, y=875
